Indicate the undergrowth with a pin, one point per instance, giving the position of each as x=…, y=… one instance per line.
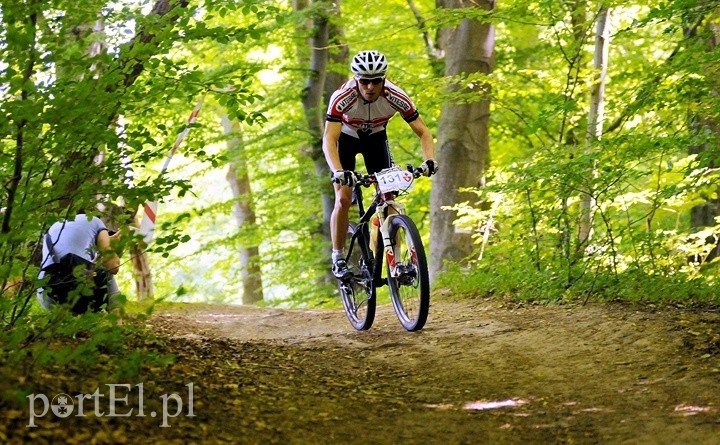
x=52, y=345
x=513, y=279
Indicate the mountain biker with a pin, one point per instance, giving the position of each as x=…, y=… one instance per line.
x=357, y=115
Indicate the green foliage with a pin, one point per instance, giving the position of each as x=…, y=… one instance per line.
x=42, y=345
x=517, y=279
x=645, y=175
x=285, y=187
x=80, y=129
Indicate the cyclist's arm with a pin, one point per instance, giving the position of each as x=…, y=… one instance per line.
x=109, y=258
x=330, y=141
x=426, y=138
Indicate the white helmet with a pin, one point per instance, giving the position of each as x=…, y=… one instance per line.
x=369, y=64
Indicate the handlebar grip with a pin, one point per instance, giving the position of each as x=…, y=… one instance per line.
x=416, y=172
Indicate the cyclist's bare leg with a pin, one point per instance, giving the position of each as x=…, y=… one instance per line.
x=339, y=219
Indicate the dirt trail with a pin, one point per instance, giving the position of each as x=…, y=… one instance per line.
x=480, y=372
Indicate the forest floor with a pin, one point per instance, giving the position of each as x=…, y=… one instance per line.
x=482, y=371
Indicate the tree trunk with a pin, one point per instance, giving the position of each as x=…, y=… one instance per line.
x=142, y=273
x=118, y=215
x=237, y=176
x=596, y=115
x=130, y=61
x=463, y=151
x=336, y=75
x=705, y=215
x=314, y=105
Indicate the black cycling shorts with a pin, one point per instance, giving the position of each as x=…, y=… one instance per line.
x=374, y=148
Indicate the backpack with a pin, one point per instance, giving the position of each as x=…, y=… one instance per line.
x=76, y=282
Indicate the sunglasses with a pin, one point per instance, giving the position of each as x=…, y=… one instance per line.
x=375, y=81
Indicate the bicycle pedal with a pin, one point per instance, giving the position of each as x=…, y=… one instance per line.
x=347, y=278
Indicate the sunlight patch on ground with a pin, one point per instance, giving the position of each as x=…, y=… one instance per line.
x=481, y=405
x=690, y=410
x=594, y=410
x=440, y=406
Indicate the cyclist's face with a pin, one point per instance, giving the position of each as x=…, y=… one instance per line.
x=370, y=88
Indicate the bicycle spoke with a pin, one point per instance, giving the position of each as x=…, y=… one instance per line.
x=409, y=287
x=406, y=264
x=358, y=293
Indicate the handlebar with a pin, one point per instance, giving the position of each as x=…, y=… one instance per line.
x=369, y=179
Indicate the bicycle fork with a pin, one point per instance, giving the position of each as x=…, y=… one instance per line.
x=389, y=245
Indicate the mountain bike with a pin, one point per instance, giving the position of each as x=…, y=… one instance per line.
x=398, y=242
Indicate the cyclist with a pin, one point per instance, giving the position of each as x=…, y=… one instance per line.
x=357, y=115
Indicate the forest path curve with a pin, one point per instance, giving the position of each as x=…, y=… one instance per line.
x=480, y=372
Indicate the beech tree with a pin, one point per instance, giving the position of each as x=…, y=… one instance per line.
x=463, y=148
x=705, y=214
x=95, y=125
x=596, y=117
x=61, y=103
x=239, y=179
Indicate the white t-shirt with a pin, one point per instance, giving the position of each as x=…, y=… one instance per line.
x=76, y=236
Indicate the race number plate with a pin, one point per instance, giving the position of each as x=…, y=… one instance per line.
x=394, y=179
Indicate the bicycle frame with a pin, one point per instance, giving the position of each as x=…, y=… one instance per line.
x=379, y=206
x=404, y=254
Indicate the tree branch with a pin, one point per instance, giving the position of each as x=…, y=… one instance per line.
x=19, y=137
x=647, y=88
x=145, y=37
x=433, y=52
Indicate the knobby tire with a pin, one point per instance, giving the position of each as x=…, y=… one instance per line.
x=358, y=293
x=410, y=292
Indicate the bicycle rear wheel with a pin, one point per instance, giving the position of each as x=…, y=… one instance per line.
x=358, y=293
x=409, y=283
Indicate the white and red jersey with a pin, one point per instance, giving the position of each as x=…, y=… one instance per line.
x=360, y=117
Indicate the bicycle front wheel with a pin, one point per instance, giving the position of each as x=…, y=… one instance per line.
x=408, y=274
x=358, y=292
